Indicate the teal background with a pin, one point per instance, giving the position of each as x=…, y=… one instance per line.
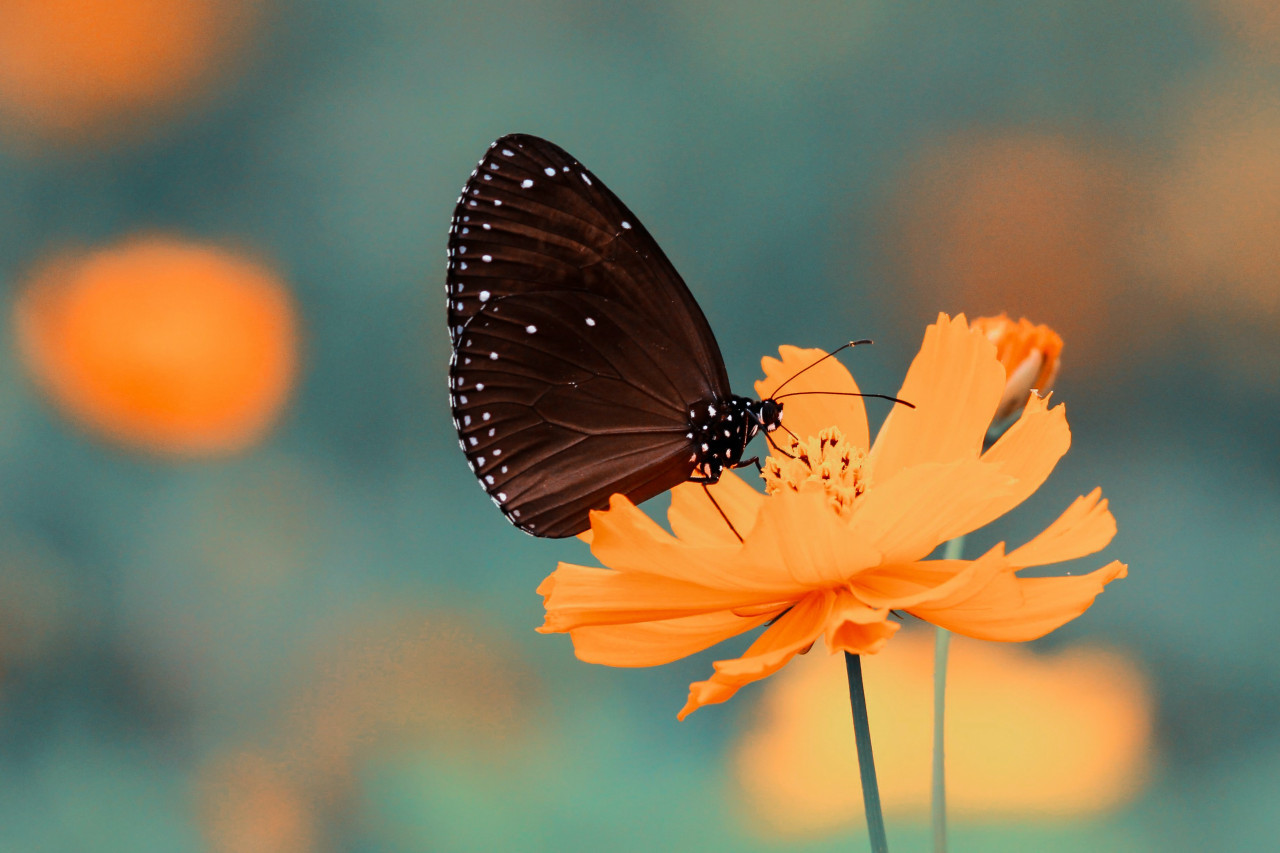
x=766, y=150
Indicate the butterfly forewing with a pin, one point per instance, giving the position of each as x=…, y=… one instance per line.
x=542, y=219
x=577, y=349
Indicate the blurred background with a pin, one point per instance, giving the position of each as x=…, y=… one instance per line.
x=250, y=599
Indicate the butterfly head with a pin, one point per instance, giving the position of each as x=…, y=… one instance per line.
x=768, y=414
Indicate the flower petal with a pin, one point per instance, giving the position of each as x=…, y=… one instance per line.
x=804, y=543
x=695, y=519
x=1028, y=451
x=627, y=540
x=1014, y=609
x=794, y=631
x=955, y=382
x=855, y=628
x=656, y=643
x=1085, y=528
x=906, y=585
x=921, y=507
x=575, y=596
x=808, y=414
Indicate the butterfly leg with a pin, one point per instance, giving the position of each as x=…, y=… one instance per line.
x=775, y=446
x=706, y=488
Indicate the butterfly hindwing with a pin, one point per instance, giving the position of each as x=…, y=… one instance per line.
x=577, y=349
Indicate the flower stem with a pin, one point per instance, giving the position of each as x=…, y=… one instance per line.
x=941, y=646
x=866, y=763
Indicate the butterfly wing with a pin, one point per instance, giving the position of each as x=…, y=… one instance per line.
x=577, y=348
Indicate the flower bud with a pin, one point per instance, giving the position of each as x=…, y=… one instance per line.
x=1030, y=355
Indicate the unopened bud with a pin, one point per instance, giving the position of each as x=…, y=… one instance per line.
x=1030, y=355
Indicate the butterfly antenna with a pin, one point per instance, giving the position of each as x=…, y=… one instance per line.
x=838, y=349
x=847, y=394
x=706, y=488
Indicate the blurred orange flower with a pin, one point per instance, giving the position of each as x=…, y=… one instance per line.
x=1030, y=355
x=247, y=804
x=1020, y=221
x=1254, y=23
x=73, y=70
x=843, y=535
x=384, y=680
x=161, y=344
x=1028, y=735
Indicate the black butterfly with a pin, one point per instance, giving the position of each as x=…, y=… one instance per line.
x=582, y=366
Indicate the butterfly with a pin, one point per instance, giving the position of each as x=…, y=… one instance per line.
x=581, y=365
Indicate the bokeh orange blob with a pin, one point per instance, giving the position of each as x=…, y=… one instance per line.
x=247, y=805
x=160, y=344
x=80, y=70
x=1254, y=24
x=1214, y=233
x=1026, y=223
x=384, y=682
x=1027, y=735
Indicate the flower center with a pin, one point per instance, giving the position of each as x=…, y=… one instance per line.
x=827, y=459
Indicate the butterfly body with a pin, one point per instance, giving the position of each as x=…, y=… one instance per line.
x=581, y=365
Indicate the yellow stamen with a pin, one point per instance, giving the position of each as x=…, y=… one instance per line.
x=827, y=459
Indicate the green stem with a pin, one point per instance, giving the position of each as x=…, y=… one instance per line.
x=866, y=763
x=941, y=646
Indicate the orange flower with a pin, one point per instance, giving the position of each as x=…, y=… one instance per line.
x=1030, y=355
x=843, y=534
x=175, y=347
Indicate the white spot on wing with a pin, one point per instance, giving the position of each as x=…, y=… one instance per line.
x=493, y=356
x=585, y=178
x=484, y=296
x=551, y=171
x=531, y=329
x=590, y=322
x=526, y=183
x=626, y=224
x=487, y=258
x=507, y=152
